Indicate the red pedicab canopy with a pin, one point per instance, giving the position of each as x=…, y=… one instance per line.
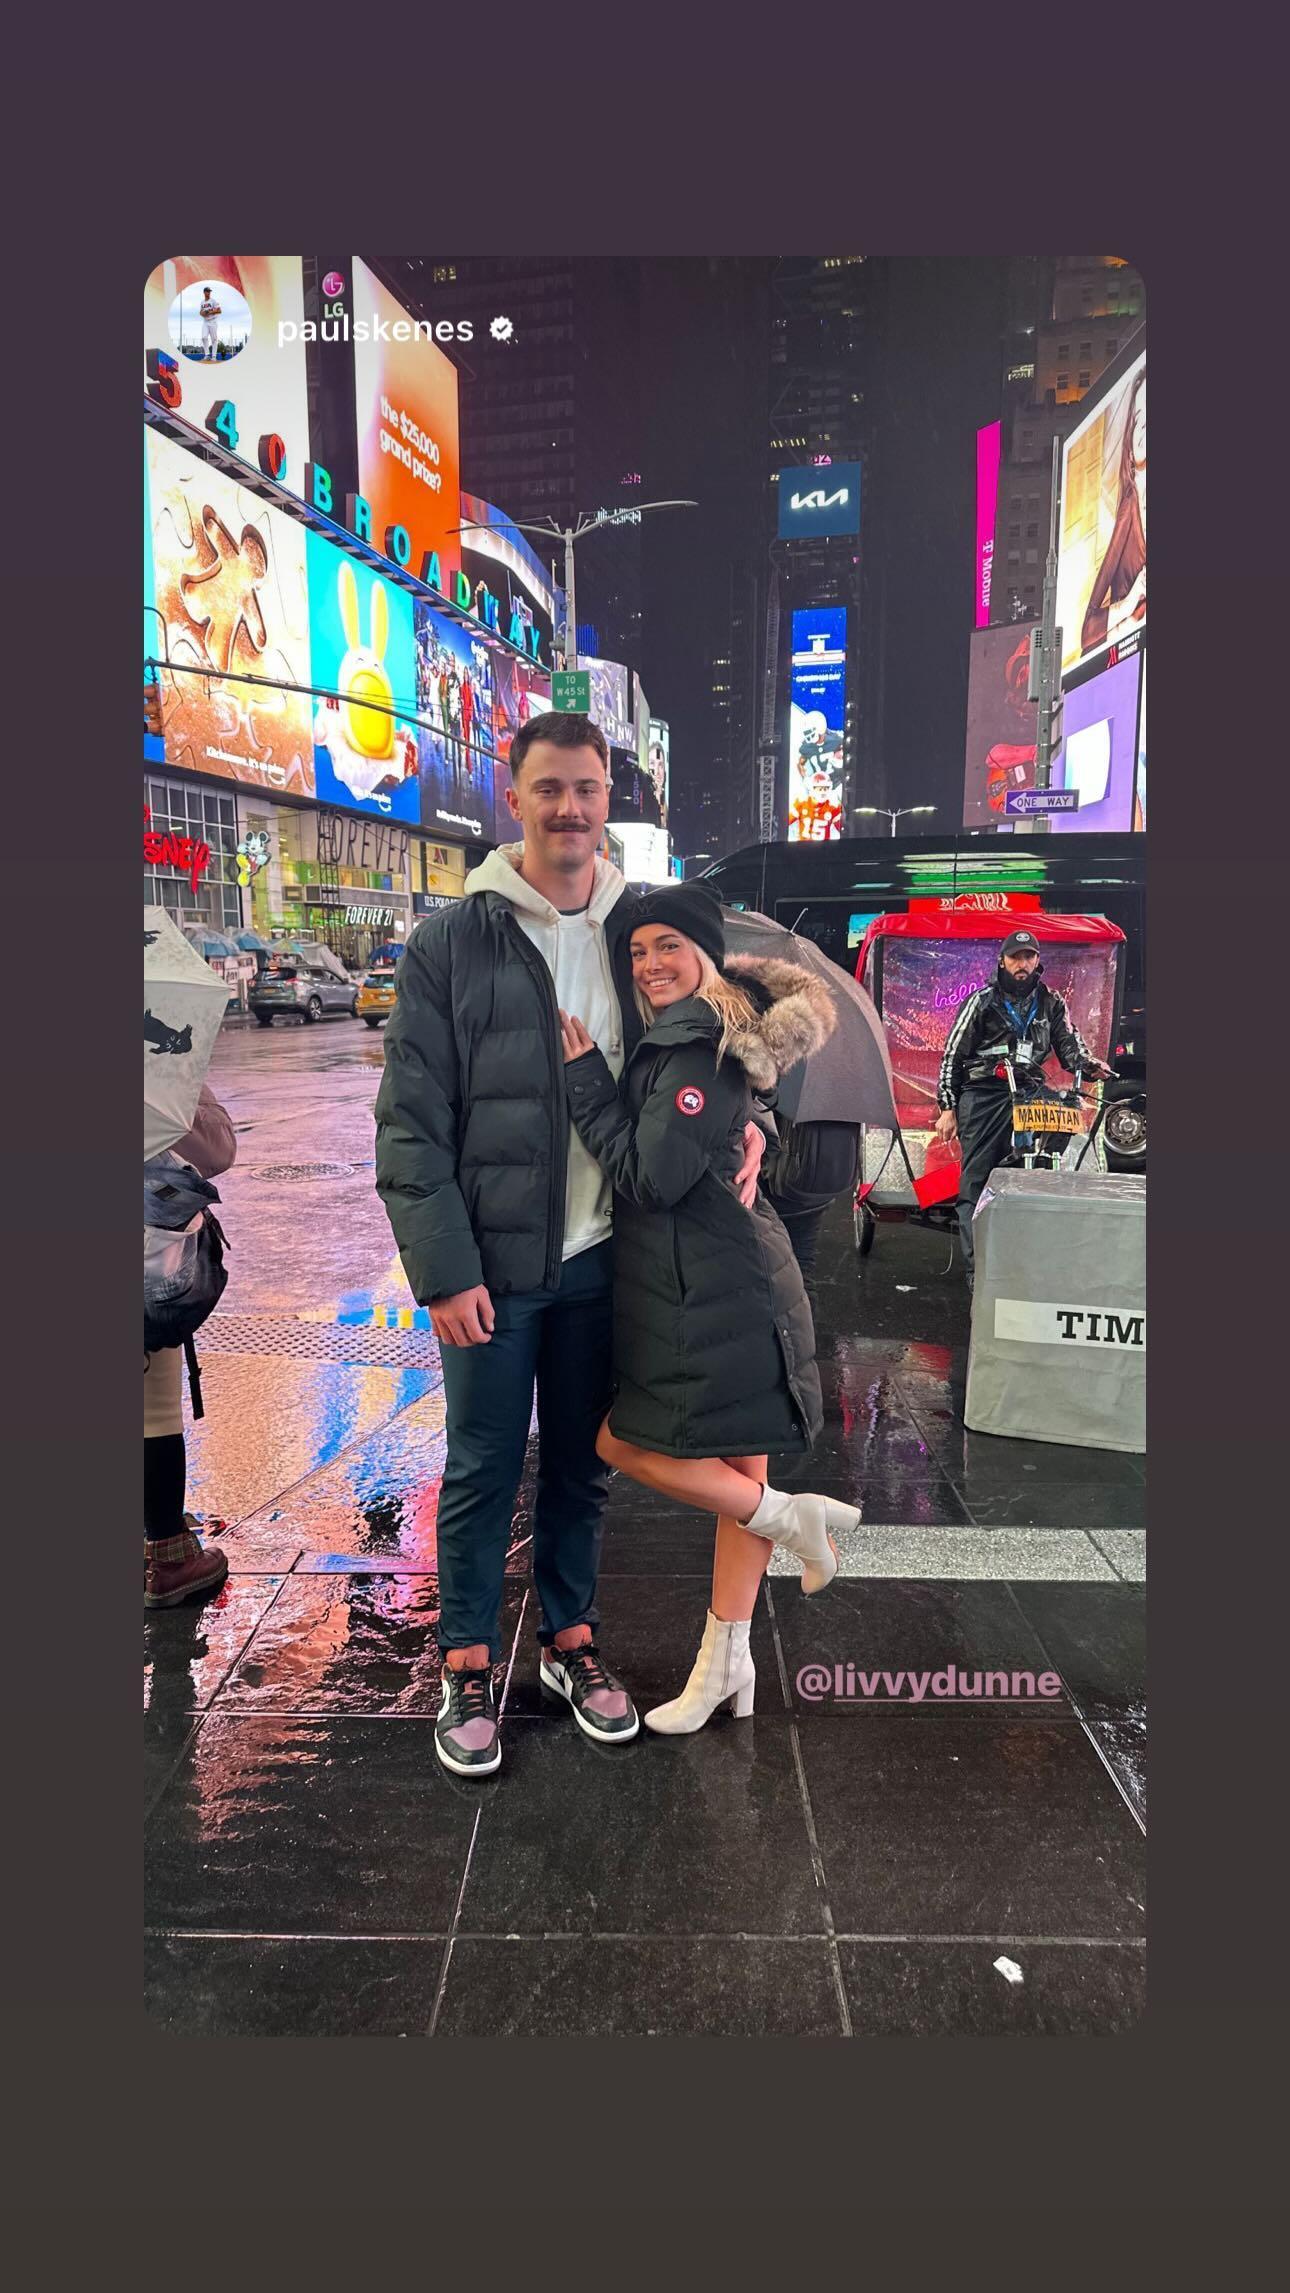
x=934, y=957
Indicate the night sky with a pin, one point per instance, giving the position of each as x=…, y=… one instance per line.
x=931, y=376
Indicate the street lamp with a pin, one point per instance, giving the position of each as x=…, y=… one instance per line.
x=569, y=534
x=901, y=812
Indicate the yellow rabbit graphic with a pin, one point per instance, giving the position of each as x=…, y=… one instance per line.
x=363, y=677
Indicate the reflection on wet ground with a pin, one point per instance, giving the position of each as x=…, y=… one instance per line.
x=305, y=1852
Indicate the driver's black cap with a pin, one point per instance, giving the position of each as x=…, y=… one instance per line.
x=1020, y=943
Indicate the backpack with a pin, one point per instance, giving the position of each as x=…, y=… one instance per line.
x=184, y=1274
x=814, y=1163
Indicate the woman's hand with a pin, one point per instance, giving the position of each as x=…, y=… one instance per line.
x=946, y=1124
x=574, y=1037
x=745, y=1179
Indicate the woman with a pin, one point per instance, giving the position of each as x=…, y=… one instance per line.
x=714, y=1352
x=176, y=1564
x=1118, y=598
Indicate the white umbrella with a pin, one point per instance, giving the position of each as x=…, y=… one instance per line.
x=183, y=1004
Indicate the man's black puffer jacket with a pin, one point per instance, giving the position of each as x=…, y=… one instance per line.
x=472, y=1119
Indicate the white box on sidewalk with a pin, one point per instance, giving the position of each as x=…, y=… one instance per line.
x=1059, y=1313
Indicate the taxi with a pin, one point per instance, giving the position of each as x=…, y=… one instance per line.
x=376, y=994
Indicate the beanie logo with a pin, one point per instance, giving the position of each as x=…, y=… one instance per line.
x=690, y=1100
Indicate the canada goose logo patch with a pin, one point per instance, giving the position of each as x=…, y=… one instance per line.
x=690, y=1100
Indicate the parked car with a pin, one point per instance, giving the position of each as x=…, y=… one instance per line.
x=304, y=981
x=376, y=995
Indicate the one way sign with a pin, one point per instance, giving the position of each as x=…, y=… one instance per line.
x=1023, y=800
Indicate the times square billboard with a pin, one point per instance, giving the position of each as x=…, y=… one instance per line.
x=410, y=706
x=822, y=499
x=816, y=723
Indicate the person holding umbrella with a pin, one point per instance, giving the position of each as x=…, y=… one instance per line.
x=183, y=1122
x=713, y=1344
x=176, y=1564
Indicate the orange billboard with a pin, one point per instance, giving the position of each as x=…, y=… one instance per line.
x=405, y=401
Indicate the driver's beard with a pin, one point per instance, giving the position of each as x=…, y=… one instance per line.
x=1019, y=990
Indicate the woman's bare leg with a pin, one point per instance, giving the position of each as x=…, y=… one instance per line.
x=708, y=1483
x=741, y=1558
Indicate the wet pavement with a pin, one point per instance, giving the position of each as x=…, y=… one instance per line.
x=850, y=1861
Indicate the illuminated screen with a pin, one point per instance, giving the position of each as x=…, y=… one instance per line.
x=988, y=443
x=1000, y=723
x=660, y=764
x=1098, y=753
x=1140, y=791
x=1102, y=549
x=499, y=564
x=230, y=590
x=640, y=719
x=644, y=854
x=455, y=704
x=925, y=981
x=611, y=706
x=857, y=926
x=405, y=401
x=819, y=500
x=364, y=661
x=816, y=721
x=264, y=380
x=519, y=694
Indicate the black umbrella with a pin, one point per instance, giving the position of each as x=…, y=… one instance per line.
x=849, y=1080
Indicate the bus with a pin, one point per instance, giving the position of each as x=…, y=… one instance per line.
x=830, y=893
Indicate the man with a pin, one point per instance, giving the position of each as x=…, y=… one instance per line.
x=1016, y=1010
x=503, y=1221
x=209, y=312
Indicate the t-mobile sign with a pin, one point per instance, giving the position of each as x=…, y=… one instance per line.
x=988, y=446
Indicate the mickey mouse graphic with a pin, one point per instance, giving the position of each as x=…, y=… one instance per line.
x=252, y=855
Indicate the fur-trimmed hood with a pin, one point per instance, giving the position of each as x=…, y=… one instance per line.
x=796, y=1018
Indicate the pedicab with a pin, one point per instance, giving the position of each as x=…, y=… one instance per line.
x=918, y=966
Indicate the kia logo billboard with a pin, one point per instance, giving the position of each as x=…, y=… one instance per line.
x=819, y=500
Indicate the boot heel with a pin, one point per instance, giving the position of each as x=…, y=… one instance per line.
x=741, y=1703
x=839, y=1516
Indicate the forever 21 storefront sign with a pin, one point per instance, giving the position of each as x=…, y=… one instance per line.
x=377, y=847
x=165, y=390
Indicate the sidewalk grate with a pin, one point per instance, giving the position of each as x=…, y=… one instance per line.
x=304, y=1170
x=317, y=1341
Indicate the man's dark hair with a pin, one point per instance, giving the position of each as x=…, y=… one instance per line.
x=563, y=731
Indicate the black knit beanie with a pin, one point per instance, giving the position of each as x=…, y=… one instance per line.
x=690, y=909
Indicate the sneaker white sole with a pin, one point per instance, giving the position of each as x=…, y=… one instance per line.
x=597, y=1735
x=463, y=1767
x=459, y=1767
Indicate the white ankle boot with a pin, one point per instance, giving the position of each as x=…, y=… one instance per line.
x=801, y=1525
x=723, y=1674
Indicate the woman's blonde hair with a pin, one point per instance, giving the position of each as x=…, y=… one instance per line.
x=733, y=1007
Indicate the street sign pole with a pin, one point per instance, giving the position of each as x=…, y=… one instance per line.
x=1049, y=657
x=570, y=605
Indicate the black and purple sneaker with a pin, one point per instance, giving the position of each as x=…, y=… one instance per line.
x=600, y=1703
x=465, y=1733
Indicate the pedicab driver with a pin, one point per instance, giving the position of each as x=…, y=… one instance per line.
x=1015, y=1009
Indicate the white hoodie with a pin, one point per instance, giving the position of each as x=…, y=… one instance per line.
x=574, y=951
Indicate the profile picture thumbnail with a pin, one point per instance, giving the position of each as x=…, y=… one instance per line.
x=210, y=322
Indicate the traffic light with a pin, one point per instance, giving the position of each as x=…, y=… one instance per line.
x=152, y=707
